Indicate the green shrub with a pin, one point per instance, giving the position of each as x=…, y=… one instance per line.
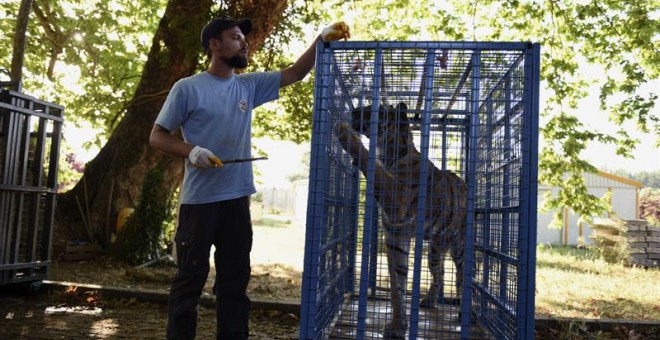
x=143, y=235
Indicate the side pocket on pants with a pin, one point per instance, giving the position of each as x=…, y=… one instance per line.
x=192, y=255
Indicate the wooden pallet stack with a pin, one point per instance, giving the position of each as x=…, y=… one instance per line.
x=640, y=240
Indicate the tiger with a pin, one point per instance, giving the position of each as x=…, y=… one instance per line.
x=396, y=185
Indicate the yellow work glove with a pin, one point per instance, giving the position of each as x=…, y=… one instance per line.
x=336, y=31
x=204, y=158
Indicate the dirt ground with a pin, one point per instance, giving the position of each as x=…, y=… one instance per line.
x=69, y=314
x=61, y=316
x=269, y=281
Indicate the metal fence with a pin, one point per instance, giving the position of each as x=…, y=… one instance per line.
x=30, y=133
x=421, y=219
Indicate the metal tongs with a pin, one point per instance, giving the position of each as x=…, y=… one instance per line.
x=240, y=160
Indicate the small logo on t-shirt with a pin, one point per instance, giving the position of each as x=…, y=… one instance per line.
x=243, y=105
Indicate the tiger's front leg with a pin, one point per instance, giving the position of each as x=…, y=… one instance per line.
x=386, y=187
x=398, y=248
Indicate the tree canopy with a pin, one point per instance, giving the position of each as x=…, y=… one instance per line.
x=89, y=55
x=85, y=55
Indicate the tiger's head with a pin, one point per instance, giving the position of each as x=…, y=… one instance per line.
x=395, y=139
x=389, y=118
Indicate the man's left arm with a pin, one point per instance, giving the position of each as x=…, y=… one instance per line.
x=305, y=62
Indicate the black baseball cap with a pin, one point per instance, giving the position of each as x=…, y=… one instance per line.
x=214, y=27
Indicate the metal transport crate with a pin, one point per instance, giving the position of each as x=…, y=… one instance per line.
x=30, y=135
x=421, y=220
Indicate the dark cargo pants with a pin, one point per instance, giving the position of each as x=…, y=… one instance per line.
x=227, y=226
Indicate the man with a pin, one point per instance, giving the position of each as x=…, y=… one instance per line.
x=213, y=109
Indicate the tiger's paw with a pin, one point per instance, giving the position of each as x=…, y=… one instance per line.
x=395, y=330
x=427, y=303
x=346, y=134
x=344, y=128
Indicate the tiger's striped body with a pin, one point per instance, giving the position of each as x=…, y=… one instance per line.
x=397, y=184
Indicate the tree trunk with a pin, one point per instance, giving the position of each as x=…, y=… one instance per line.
x=18, y=55
x=113, y=179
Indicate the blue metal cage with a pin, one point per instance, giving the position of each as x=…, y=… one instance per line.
x=467, y=186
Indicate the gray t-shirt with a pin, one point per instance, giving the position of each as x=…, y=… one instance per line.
x=216, y=113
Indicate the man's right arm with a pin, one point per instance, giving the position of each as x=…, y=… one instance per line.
x=163, y=140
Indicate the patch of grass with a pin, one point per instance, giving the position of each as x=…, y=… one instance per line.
x=272, y=222
x=572, y=329
x=578, y=283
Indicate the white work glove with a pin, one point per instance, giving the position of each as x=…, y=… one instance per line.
x=336, y=31
x=204, y=158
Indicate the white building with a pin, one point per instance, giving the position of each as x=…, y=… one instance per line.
x=624, y=202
